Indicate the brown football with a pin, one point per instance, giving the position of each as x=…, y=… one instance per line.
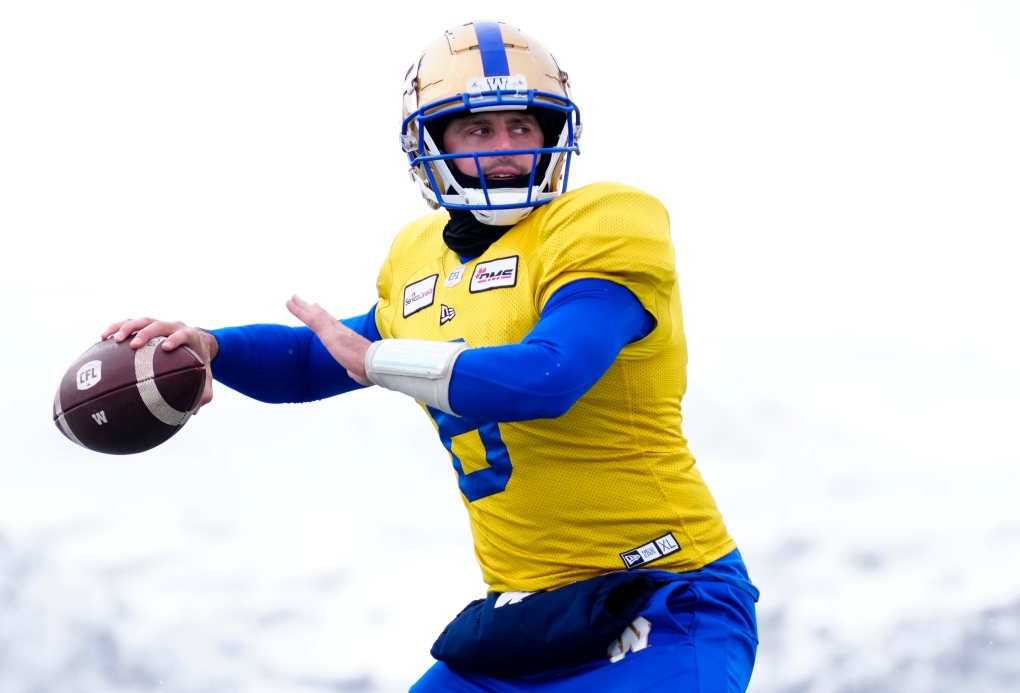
x=121, y=401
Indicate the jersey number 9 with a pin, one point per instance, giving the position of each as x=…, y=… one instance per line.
x=480, y=483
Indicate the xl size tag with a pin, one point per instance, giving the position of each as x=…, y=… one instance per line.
x=652, y=551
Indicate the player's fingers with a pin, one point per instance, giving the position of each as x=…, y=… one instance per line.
x=297, y=309
x=184, y=335
x=300, y=307
x=129, y=327
x=157, y=328
x=126, y=327
x=113, y=328
x=311, y=314
x=144, y=333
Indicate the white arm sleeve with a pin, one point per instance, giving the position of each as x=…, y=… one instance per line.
x=419, y=368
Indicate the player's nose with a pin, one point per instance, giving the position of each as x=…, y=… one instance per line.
x=502, y=140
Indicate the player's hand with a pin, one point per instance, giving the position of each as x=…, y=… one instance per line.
x=347, y=346
x=177, y=334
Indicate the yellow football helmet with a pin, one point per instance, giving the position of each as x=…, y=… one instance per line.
x=487, y=66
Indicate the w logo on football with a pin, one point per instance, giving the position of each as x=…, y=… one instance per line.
x=446, y=314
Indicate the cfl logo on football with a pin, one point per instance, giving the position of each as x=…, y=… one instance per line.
x=89, y=375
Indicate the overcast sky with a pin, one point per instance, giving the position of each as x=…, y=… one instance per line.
x=843, y=181
x=845, y=169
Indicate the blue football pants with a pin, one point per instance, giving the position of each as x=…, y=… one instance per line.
x=702, y=639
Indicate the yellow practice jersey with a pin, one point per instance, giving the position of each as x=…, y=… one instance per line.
x=610, y=485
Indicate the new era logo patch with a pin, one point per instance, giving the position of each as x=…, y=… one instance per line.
x=652, y=551
x=446, y=314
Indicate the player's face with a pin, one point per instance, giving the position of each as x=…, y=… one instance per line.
x=494, y=131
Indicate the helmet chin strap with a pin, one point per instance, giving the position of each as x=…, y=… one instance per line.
x=514, y=188
x=501, y=217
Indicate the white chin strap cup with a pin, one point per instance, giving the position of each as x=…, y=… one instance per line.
x=501, y=217
x=419, y=368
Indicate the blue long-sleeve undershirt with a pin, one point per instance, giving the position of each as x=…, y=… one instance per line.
x=580, y=332
x=277, y=363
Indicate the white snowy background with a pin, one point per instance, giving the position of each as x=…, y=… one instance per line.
x=844, y=186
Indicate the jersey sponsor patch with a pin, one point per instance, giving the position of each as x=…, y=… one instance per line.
x=494, y=274
x=456, y=274
x=446, y=314
x=421, y=294
x=652, y=551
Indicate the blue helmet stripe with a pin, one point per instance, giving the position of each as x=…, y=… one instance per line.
x=490, y=44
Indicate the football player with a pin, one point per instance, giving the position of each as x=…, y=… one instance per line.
x=540, y=330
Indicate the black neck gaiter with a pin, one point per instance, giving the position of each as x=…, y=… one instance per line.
x=469, y=237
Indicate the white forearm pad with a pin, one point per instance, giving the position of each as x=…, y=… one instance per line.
x=421, y=369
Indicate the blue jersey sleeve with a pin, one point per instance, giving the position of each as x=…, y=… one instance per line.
x=276, y=363
x=581, y=331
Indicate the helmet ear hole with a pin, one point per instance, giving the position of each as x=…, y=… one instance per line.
x=437, y=129
x=551, y=122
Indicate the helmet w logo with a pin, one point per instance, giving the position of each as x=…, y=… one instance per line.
x=476, y=85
